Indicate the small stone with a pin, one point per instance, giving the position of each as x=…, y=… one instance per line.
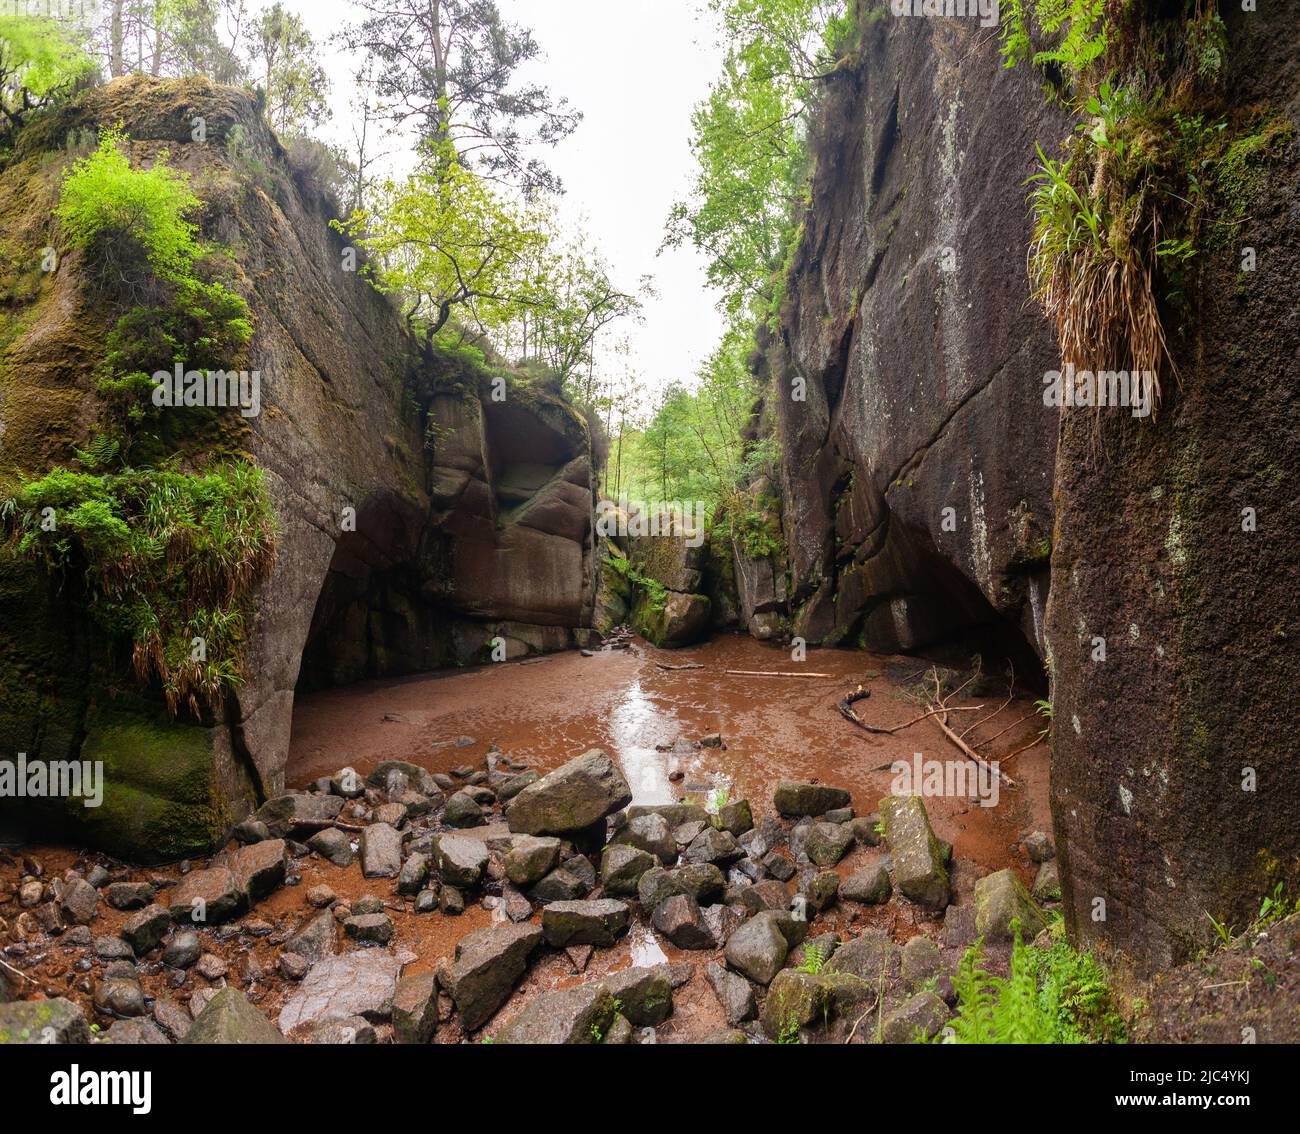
x=321, y=897
x=736, y=817
x=369, y=929
x=451, y=901
x=531, y=858
x=622, y=867
x=827, y=843
x=292, y=966
x=381, y=851
x=1047, y=883
x=146, y=929
x=794, y=799
x=679, y=919
x=778, y=866
x=413, y=873
x=1038, y=846
x=211, y=967
x=333, y=844
x=129, y=895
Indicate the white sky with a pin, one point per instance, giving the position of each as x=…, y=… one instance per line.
x=636, y=69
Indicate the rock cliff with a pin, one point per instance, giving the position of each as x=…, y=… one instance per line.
x=430, y=508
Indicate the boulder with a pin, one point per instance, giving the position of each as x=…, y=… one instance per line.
x=734, y=993
x=758, y=949
x=230, y=1018
x=702, y=880
x=736, y=817
x=794, y=799
x=923, y=1015
x=652, y=834
x=827, y=843
x=870, y=886
x=572, y=798
x=796, y=1000
x=1047, y=882
x=679, y=919
x=585, y=923
x=259, y=868
x=488, y=964
x=530, y=859
x=918, y=856
x=381, y=851
x=353, y=984
x=296, y=815
x=315, y=939
x=574, y=1015
x=145, y=929
x=333, y=844
x=43, y=1021
x=415, y=1009
x=461, y=859
x=463, y=810
x=622, y=867
x=644, y=994
x=715, y=846
x=206, y=897
x=1000, y=901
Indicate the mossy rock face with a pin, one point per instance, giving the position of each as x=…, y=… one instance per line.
x=170, y=790
x=676, y=620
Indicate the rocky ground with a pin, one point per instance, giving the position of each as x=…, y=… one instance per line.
x=563, y=915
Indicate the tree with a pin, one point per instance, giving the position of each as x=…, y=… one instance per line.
x=445, y=239
x=448, y=66
x=41, y=61
x=176, y=38
x=749, y=144
x=295, y=84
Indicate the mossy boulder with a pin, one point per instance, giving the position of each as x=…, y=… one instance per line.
x=920, y=870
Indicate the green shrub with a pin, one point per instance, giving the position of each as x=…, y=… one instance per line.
x=132, y=224
x=168, y=558
x=1054, y=995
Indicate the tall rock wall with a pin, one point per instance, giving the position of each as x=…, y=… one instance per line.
x=423, y=510
x=1176, y=768
x=1175, y=775
x=903, y=380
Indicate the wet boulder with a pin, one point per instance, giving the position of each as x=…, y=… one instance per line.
x=827, y=843
x=734, y=993
x=415, y=1009
x=259, y=868
x=622, y=867
x=736, y=817
x=580, y=1015
x=572, y=798
x=679, y=919
x=923, y=1014
x=145, y=929
x=644, y=994
x=230, y=1018
x=206, y=897
x=870, y=886
x=652, y=834
x=297, y=815
x=919, y=857
x=795, y=799
x=585, y=923
x=333, y=844
x=531, y=858
x=43, y=1021
x=461, y=859
x=351, y=984
x=715, y=846
x=381, y=851
x=758, y=948
x=487, y=966
x=1001, y=902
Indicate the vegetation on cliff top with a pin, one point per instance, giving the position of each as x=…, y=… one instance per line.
x=1151, y=180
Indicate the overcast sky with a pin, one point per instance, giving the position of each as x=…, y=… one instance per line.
x=636, y=69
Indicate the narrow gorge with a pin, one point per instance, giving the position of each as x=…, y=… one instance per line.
x=451, y=737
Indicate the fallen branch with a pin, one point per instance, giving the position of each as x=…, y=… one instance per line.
x=771, y=673
x=687, y=665
x=850, y=715
x=957, y=742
